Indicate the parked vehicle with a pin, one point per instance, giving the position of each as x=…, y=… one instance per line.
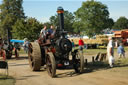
x=122, y=36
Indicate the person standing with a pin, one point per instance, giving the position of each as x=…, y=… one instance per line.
x=127, y=41
x=73, y=45
x=81, y=44
x=16, y=49
x=26, y=45
x=110, y=51
x=121, y=51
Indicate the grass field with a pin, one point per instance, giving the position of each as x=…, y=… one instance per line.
x=120, y=67
x=102, y=50
x=6, y=81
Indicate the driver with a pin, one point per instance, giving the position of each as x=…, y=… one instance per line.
x=44, y=36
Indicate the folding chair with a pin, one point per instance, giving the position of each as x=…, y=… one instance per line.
x=103, y=56
x=3, y=62
x=97, y=56
x=4, y=65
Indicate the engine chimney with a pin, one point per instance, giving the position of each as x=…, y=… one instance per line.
x=60, y=12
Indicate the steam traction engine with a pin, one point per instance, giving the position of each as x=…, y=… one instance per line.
x=53, y=51
x=6, y=47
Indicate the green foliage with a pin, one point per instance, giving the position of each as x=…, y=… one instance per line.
x=110, y=23
x=93, y=16
x=121, y=23
x=11, y=10
x=68, y=21
x=29, y=28
x=5, y=24
x=6, y=81
x=78, y=26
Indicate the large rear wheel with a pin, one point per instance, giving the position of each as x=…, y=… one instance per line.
x=51, y=64
x=78, y=62
x=34, y=56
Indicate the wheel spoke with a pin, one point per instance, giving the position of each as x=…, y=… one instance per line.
x=50, y=62
x=78, y=62
x=34, y=56
x=49, y=65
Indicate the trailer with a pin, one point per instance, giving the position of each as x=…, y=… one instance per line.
x=121, y=36
x=100, y=40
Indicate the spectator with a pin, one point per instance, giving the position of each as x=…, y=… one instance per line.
x=121, y=51
x=127, y=41
x=81, y=44
x=73, y=45
x=16, y=48
x=26, y=44
x=110, y=51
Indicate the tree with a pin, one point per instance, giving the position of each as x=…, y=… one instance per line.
x=11, y=11
x=78, y=26
x=121, y=23
x=94, y=17
x=29, y=28
x=68, y=21
x=110, y=23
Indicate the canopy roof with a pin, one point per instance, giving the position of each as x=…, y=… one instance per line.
x=18, y=41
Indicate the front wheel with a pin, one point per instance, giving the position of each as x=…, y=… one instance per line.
x=78, y=62
x=50, y=64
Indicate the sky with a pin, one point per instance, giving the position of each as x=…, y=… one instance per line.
x=42, y=10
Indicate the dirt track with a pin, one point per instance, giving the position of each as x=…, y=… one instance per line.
x=24, y=76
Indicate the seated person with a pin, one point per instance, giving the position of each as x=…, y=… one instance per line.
x=44, y=37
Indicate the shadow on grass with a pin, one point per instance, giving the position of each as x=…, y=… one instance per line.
x=121, y=62
x=90, y=67
x=7, y=80
x=96, y=66
x=93, y=67
x=5, y=77
x=26, y=77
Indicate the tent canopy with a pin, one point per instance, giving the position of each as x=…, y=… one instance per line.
x=18, y=41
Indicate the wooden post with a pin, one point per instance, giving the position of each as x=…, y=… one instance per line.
x=86, y=62
x=93, y=59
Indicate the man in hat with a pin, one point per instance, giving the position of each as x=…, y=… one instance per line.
x=110, y=51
